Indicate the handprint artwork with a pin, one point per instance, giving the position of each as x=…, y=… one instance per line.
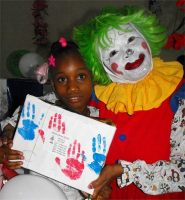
x=41, y=133
x=27, y=131
x=56, y=124
x=62, y=145
x=98, y=146
x=74, y=162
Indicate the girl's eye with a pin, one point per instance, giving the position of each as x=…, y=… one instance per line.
x=130, y=39
x=112, y=53
x=61, y=79
x=81, y=76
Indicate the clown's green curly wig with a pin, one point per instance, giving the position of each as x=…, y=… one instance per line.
x=94, y=33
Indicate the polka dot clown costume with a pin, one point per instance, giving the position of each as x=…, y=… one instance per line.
x=143, y=95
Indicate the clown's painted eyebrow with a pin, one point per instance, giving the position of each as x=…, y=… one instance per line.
x=127, y=29
x=121, y=33
x=132, y=38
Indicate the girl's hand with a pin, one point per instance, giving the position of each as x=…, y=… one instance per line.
x=6, y=141
x=10, y=156
x=8, y=131
x=102, y=184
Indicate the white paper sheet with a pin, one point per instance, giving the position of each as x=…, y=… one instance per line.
x=62, y=145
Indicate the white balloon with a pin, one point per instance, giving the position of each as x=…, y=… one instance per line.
x=31, y=187
x=28, y=63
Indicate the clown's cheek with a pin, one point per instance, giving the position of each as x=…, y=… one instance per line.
x=145, y=46
x=114, y=67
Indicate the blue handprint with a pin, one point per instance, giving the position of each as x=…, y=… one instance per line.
x=29, y=126
x=98, y=158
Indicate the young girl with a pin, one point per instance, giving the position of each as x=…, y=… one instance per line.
x=70, y=78
x=72, y=85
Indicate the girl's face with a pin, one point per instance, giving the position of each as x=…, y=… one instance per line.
x=72, y=83
x=128, y=58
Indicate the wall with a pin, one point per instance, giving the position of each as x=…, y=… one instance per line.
x=17, y=29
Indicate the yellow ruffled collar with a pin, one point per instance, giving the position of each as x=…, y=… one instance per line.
x=146, y=94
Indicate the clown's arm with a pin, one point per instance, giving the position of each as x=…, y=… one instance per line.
x=162, y=176
x=157, y=178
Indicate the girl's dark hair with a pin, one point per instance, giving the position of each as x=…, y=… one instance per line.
x=58, y=51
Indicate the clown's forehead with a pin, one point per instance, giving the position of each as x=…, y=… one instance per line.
x=125, y=31
x=124, y=28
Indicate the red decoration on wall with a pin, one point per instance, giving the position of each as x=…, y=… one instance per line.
x=180, y=4
x=39, y=11
x=177, y=40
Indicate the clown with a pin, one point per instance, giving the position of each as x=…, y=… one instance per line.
x=142, y=94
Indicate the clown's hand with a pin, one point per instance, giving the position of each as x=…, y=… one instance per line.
x=104, y=194
x=102, y=184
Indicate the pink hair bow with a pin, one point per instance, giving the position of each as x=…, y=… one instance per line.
x=63, y=42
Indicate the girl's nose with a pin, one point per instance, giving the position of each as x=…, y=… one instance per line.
x=73, y=85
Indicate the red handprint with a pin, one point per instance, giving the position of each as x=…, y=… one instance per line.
x=56, y=123
x=41, y=133
x=74, y=167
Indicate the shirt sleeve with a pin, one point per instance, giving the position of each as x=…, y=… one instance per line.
x=161, y=177
x=11, y=120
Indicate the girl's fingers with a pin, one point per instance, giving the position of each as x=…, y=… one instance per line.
x=13, y=154
x=14, y=165
x=15, y=157
x=16, y=152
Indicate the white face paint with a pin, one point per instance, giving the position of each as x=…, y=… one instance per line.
x=128, y=59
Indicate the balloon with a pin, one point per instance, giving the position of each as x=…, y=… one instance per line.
x=28, y=63
x=31, y=187
x=12, y=61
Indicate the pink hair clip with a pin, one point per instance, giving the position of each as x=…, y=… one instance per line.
x=51, y=60
x=63, y=42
